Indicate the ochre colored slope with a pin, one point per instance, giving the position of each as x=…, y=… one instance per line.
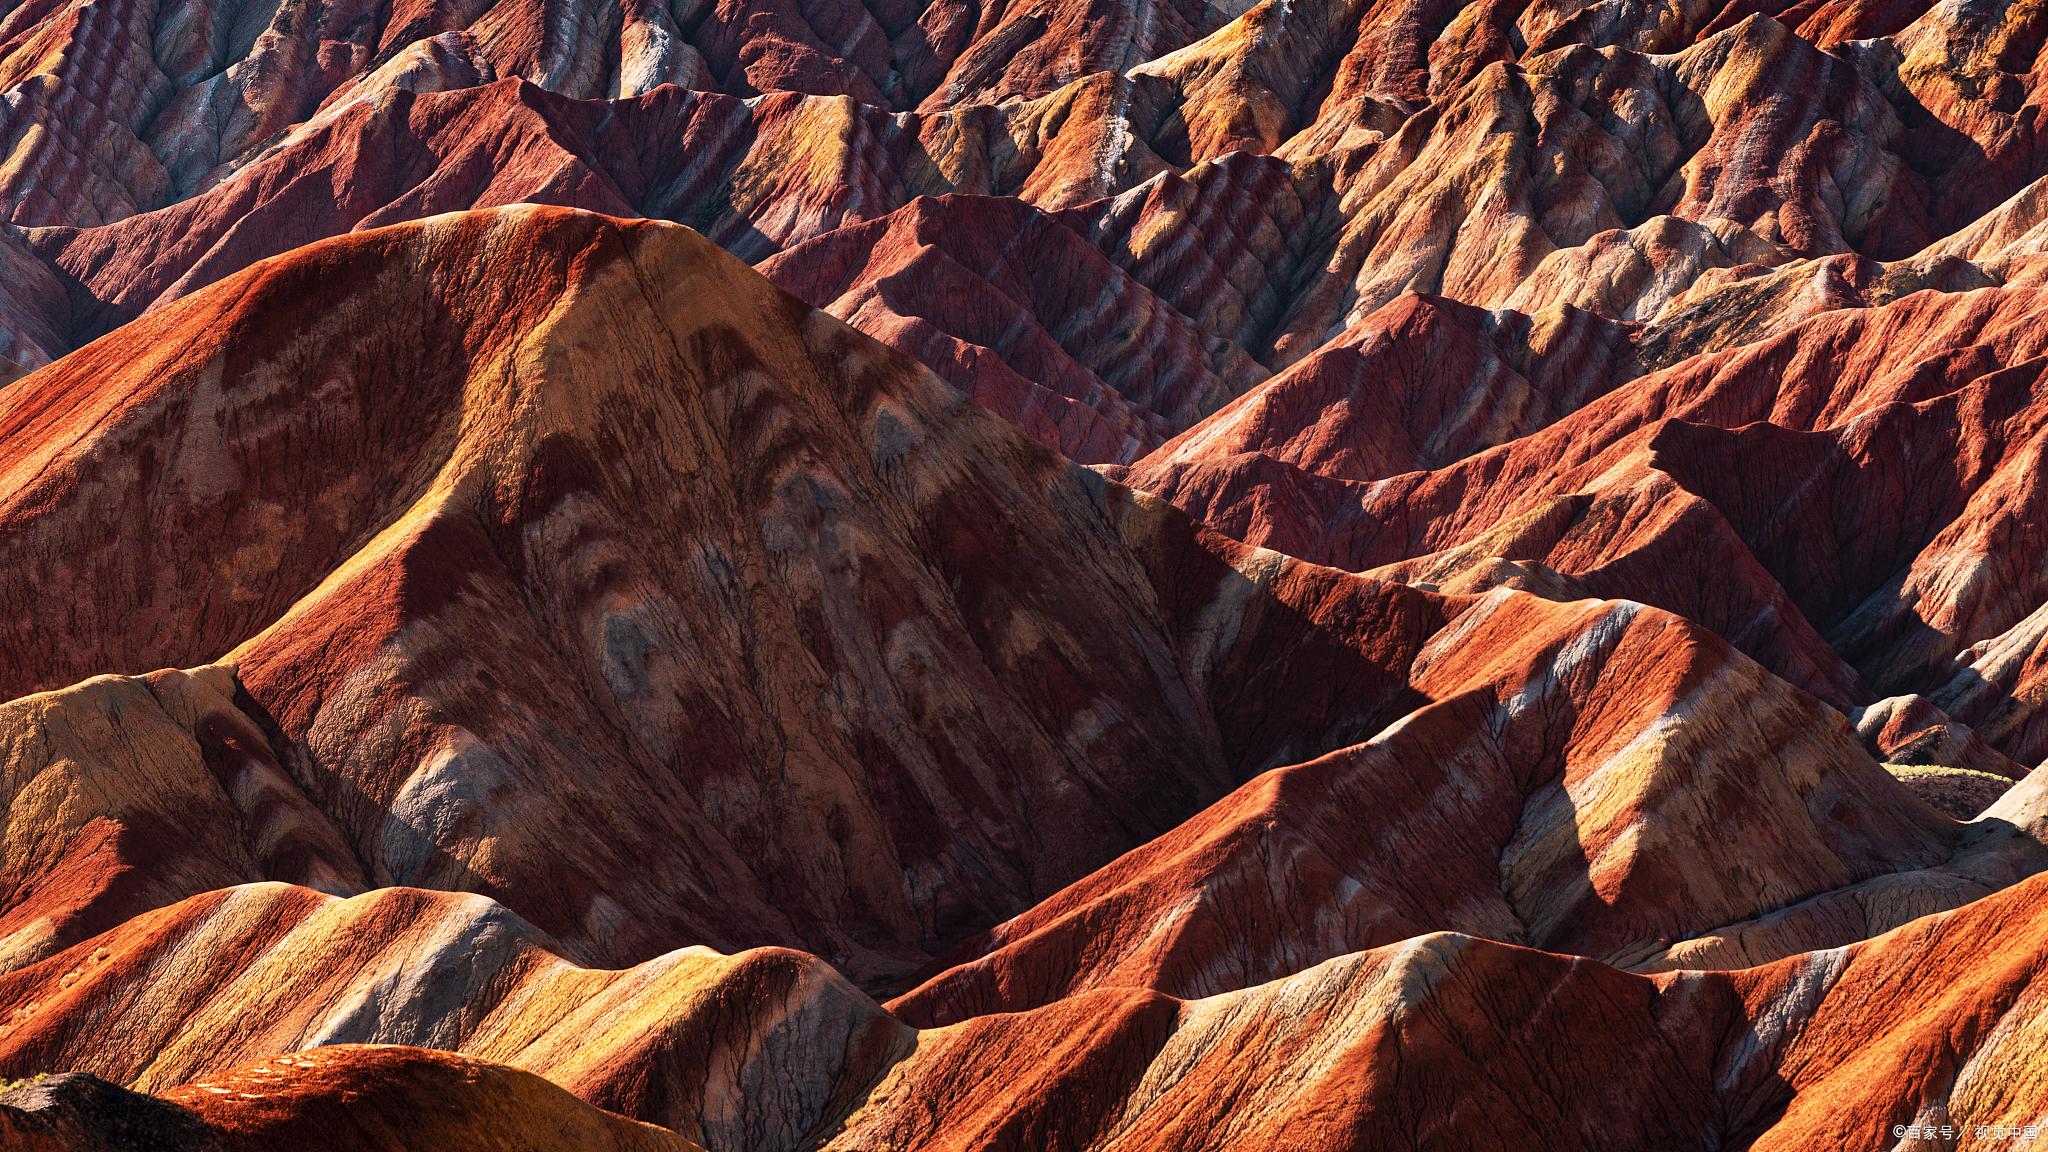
x=109, y=783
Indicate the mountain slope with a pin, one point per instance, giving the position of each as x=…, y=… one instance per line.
x=443, y=482
x=1350, y=575
x=348, y=1096
x=1863, y=479
x=1442, y=1040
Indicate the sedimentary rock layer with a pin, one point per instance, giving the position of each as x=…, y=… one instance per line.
x=789, y=590
x=1313, y=575
x=1442, y=1039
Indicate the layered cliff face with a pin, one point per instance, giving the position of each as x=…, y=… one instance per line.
x=764, y=575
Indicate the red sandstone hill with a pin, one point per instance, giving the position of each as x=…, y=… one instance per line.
x=1271, y=177
x=1862, y=479
x=1566, y=669
x=767, y=571
x=1445, y=1040
x=1578, y=760
x=724, y=552
x=1101, y=367
x=365, y=536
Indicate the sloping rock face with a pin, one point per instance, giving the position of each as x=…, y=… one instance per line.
x=1449, y=1040
x=692, y=1040
x=1536, y=801
x=832, y=609
x=1863, y=480
x=1104, y=369
x=764, y=575
x=579, y=614
x=108, y=781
